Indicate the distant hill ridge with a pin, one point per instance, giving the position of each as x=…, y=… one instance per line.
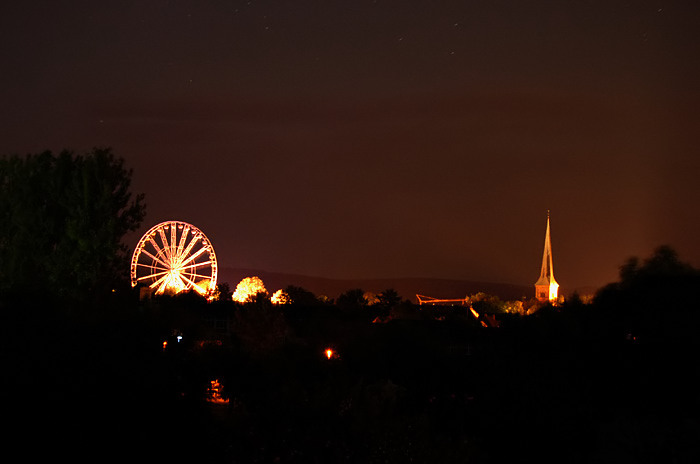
x=406, y=287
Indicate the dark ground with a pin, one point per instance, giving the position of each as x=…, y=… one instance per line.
x=431, y=385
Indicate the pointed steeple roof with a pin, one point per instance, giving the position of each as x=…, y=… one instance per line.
x=547, y=272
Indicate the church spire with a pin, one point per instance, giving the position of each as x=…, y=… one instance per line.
x=546, y=288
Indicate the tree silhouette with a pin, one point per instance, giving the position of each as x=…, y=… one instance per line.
x=62, y=220
x=300, y=296
x=656, y=299
x=389, y=298
x=353, y=298
x=223, y=292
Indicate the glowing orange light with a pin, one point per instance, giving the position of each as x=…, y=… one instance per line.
x=280, y=297
x=248, y=288
x=214, y=393
x=165, y=345
x=476, y=315
x=329, y=353
x=429, y=300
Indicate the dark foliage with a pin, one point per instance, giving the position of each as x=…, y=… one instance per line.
x=300, y=296
x=223, y=292
x=566, y=384
x=388, y=298
x=62, y=219
x=353, y=298
x=658, y=299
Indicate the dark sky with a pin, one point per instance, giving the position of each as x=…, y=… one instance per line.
x=382, y=138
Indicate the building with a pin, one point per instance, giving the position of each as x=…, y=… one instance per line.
x=546, y=288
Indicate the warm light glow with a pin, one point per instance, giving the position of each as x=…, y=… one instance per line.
x=248, y=288
x=476, y=315
x=172, y=257
x=280, y=297
x=546, y=287
x=329, y=353
x=165, y=345
x=429, y=300
x=214, y=392
x=371, y=298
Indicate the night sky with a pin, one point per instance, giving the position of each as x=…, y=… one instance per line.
x=372, y=139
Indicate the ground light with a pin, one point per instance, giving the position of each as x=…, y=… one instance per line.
x=214, y=392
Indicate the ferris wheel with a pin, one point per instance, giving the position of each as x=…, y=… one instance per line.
x=172, y=257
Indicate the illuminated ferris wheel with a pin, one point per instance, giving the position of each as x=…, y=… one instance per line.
x=172, y=257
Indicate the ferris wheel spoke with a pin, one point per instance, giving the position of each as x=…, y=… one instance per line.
x=162, y=281
x=192, y=274
x=196, y=265
x=199, y=289
x=155, y=258
x=187, y=251
x=154, y=244
x=173, y=239
x=199, y=275
x=152, y=276
x=180, y=281
x=158, y=248
x=166, y=245
x=183, y=239
x=155, y=265
x=162, y=287
x=194, y=256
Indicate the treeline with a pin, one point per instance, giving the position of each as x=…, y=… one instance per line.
x=91, y=371
x=609, y=380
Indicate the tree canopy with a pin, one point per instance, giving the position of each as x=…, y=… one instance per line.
x=389, y=298
x=352, y=298
x=656, y=297
x=300, y=296
x=62, y=221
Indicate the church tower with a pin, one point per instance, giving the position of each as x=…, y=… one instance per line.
x=546, y=288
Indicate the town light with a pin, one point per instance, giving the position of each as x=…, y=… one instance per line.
x=214, y=392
